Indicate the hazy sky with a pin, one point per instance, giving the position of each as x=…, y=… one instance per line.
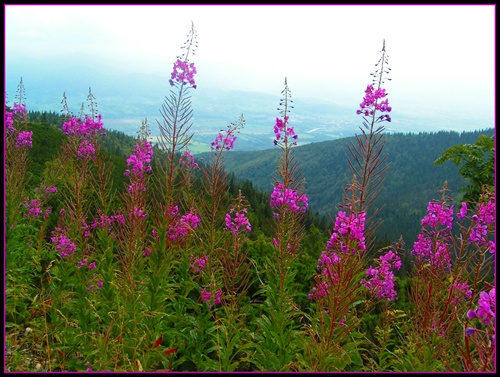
x=442, y=57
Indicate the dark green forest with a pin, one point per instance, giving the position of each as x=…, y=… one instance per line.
x=412, y=179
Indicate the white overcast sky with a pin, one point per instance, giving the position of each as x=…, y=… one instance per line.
x=442, y=57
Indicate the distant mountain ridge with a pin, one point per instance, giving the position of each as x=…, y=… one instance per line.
x=125, y=99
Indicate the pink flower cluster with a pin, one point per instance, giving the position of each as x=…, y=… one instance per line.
x=140, y=160
x=104, y=222
x=206, y=296
x=282, y=197
x=370, y=103
x=352, y=226
x=438, y=215
x=183, y=73
x=83, y=262
x=8, y=120
x=138, y=213
x=239, y=221
x=86, y=150
x=84, y=130
x=381, y=280
x=180, y=228
x=437, y=253
x=484, y=310
x=198, y=264
x=224, y=141
x=187, y=159
x=62, y=242
x=484, y=217
x=87, y=127
x=320, y=290
x=427, y=250
x=24, y=139
x=280, y=127
x=50, y=190
x=34, y=209
x=18, y=113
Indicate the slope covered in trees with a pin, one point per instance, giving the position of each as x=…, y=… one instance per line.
x=412, y=179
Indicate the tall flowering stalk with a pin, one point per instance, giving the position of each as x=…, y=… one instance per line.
x=277, y=333
x=215, y=186
x=366, y=161
x=176, y=122
x=18, y=141
x=80, y=154
x=130, y=236
x=342, y=276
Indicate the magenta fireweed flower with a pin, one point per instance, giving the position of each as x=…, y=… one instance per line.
x=237, y=220
x=461, y=292
x=147, y=251
x=478, y=234
x=104, y=222
x=92, y=266
x=469, y=331
x=289, y=198
x=34, y=209
x=352, y=227
x=484, y=311
x=136, y=187
x=62, y=242
x=482, y=219
x=319, y=291
x=190, y=220
x=437, y=253
x=486, y=212
x=179, y=229
x=120, y=219
x=283, y=132
x=218, y=296
x=8, y=121
x=86, y=150
x=198, y=264
x=138, y=212
x=381, y=280
x=187, y=159
x=371, y=103
x=51, y=190
x=437, y=215
x=18, y=113
x=20, y=110
x=82, y=263
x=427, y=250
x=47, y=213
x=491, y=247
x=205, y=295
x=183, y=73
x=463, y=211
x=140, y=160
x=224, y=141
x=24, y=139
x=173, y=211
x=84, y=128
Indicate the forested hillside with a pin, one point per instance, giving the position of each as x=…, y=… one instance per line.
x=412, y=179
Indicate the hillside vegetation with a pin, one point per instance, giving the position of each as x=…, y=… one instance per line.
x=412, y=179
